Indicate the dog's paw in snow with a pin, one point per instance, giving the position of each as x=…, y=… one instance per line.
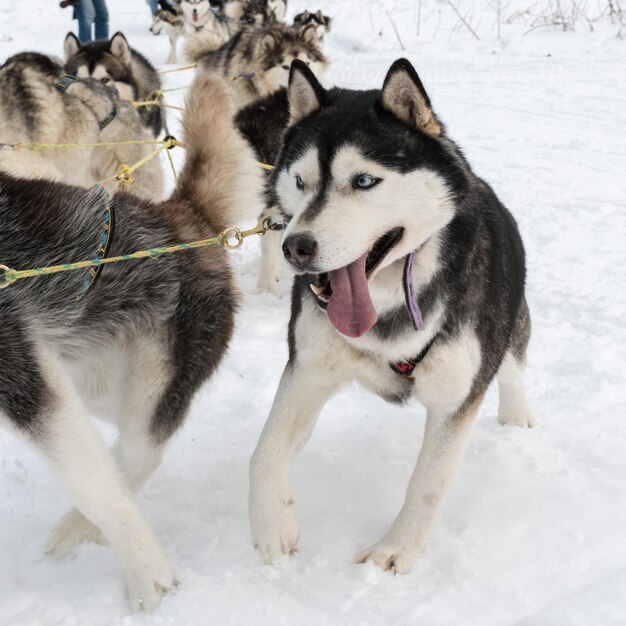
x=390, y=556
x=72, y=529
x=275, y=526
x=148, y=584
x=271, y=286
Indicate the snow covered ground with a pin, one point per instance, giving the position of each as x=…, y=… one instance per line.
x=534, y=529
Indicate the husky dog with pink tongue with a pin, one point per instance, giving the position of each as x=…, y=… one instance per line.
x=410, y=281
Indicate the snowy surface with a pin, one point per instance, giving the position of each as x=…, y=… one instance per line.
x=534, y=529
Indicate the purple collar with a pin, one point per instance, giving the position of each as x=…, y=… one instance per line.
x=409, y=292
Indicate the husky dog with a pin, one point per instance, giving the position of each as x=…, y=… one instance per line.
x=262, y=57
x=197, y=15
x=169, y=19
x=262, y=123
x=410, y=280
x=226, y=22
x=39, y=104
x=116, y=64
x=322, y=23
x=132, y=346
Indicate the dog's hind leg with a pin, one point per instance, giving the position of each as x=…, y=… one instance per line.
x=69, y=442
x=301, y=394
x=513, y=409
x=137, y=453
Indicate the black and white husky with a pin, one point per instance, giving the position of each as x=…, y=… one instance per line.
x=131, y=345
x=410, y=281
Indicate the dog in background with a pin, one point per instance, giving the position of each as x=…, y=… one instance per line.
x=118, y=65
x=323, y=24
x=38, y=103
x=410, y=278
x=133, y=345
x=169, y=19
x=263, y=123
x=263, y=56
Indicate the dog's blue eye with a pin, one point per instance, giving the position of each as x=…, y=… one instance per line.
x=299, y=182
x=364, y=181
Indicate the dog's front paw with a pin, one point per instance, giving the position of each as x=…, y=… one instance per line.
x=391, y=556
x=73, y=528
x=271, y=286
x=148, y=583
x=275, y=527
x=521, y=418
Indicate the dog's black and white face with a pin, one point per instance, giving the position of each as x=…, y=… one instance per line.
x=322, y=23
x=365, y=177
x=107, y=61
x=277, y=50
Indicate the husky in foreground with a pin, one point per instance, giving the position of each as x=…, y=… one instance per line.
x=263, y=56
x=39, y=103
x=410, y=280
x=131, y=346
x=118, y=65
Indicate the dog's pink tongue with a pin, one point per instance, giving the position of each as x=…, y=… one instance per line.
x=350, y=309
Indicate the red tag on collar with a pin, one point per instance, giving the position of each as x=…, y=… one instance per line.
x=404, y=368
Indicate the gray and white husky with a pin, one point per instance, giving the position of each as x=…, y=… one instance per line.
x=323, y=24
x=118, y=65
x=169, y=19
x=39, y=103
x=131, y=345
x=262, y=56
x=410, y=280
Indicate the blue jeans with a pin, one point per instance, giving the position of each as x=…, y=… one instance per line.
x=90, y=12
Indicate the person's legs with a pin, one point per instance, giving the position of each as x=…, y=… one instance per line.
x=85, y=14
x=154, y=6
x=101, y=19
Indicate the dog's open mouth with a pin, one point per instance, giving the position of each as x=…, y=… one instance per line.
x=344, y=292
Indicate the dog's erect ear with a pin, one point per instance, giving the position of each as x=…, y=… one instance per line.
x=72, y=46
x=405, y=97
x=306, y=95
x=309, y=34
x=269, y=41
x=120, y=48
x=328, y=22
x=278, y=8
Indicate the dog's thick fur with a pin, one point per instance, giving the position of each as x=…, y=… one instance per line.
x=355, y=167
x=266, y=53
x=116, y=64
x=135, y=347
x=32, y=109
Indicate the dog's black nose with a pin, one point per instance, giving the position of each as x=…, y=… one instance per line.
x=299, y=249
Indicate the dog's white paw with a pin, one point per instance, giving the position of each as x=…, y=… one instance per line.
x=148, y=583
x=390, y=556
x=73, y=528
x=522, y=418
x=275, y=526
x=269, y=286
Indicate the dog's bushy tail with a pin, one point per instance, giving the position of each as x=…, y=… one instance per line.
x=199, y=44
x=221, y=177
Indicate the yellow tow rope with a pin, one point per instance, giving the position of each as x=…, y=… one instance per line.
x=231, y=239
